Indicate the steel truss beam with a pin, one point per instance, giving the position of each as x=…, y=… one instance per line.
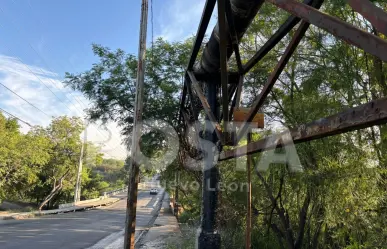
x=345, y=31
x=206, y=107
x=208, y=9
x=258, y=102
x=223, y=60
x=363, y=116
x=288, y=25
x=375, y=15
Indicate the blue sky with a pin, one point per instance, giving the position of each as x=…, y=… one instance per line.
x=42, y=39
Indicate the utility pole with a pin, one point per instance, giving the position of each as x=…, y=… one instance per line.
x=248, y=218
x=176, y=206
x=77, y=193
x=130, y=224
x=209, y=238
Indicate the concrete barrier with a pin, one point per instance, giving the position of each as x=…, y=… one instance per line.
x=84, y=206
x=104, y=196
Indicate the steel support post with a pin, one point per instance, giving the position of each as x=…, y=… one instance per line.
x=209, y=238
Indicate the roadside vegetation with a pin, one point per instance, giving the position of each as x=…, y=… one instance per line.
x=38, y=168
x=339, y=201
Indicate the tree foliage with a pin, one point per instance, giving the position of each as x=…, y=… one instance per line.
x=41, y=165
x=339, y=201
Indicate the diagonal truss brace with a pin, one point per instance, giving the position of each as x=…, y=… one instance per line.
x=375, y=15
x=345, y=31
x=206, y=107
x=273, y=77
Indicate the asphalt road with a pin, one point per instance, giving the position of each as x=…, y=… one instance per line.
x=74, y=230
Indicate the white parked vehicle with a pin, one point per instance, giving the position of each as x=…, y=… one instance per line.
x=154, y=191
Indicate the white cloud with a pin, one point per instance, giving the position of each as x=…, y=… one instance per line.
x=44, y=90
x=180, y=19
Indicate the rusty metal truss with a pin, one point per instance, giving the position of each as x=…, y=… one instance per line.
x=234, y=17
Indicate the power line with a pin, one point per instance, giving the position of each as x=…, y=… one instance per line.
x=53, y=83
x=43, y=60
x=25, y=100
x=21, y=120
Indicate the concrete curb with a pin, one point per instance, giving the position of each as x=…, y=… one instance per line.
x=22, y=216
x=165, y=230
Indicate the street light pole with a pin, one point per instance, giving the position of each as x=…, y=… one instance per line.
x=130, y=225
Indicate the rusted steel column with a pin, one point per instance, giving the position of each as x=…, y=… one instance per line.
x=131, y=207
x=375, y=15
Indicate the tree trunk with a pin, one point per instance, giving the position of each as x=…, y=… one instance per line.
x=55, y=190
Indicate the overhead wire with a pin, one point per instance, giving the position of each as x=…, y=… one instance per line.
x=37, y=108
x=74, y=97
x=54, y=84
x=28, y=102
x=16, y=117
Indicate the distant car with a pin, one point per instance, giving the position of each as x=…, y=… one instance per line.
x=154, y=191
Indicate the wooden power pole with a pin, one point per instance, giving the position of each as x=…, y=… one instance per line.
x=248, y=218
x=130, y=224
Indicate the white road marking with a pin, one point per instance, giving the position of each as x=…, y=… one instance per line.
x=116, y=240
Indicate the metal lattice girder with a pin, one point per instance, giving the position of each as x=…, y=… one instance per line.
x=363, y=116
x=206, y=107
x=231, y=90
x=375, y=15
x=237, y=97
x=223, y=59
x=345, y=31
x=208, y=9
x=234, y=36
x=258, y=102
x=288, y=25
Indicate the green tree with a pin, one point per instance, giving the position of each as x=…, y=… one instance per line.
x=59, y=173
x=22, y=156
